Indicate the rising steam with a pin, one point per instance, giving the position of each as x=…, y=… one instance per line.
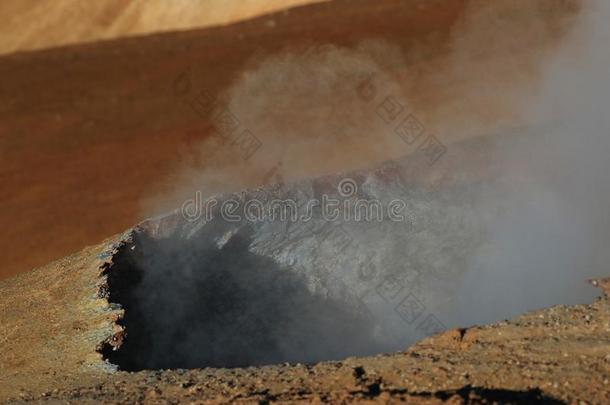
x=554, y=226
x=530, y=79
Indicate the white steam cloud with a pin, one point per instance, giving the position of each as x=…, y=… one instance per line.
x=519, y=75
x=552, y=233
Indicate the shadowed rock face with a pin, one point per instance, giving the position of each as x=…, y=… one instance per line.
x=194, y=305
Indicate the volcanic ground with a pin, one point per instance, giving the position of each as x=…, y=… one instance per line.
x=97, y=137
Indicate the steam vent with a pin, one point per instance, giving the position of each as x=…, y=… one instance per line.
x=202, y=305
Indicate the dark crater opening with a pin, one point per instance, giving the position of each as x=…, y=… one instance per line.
x=192, y=304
